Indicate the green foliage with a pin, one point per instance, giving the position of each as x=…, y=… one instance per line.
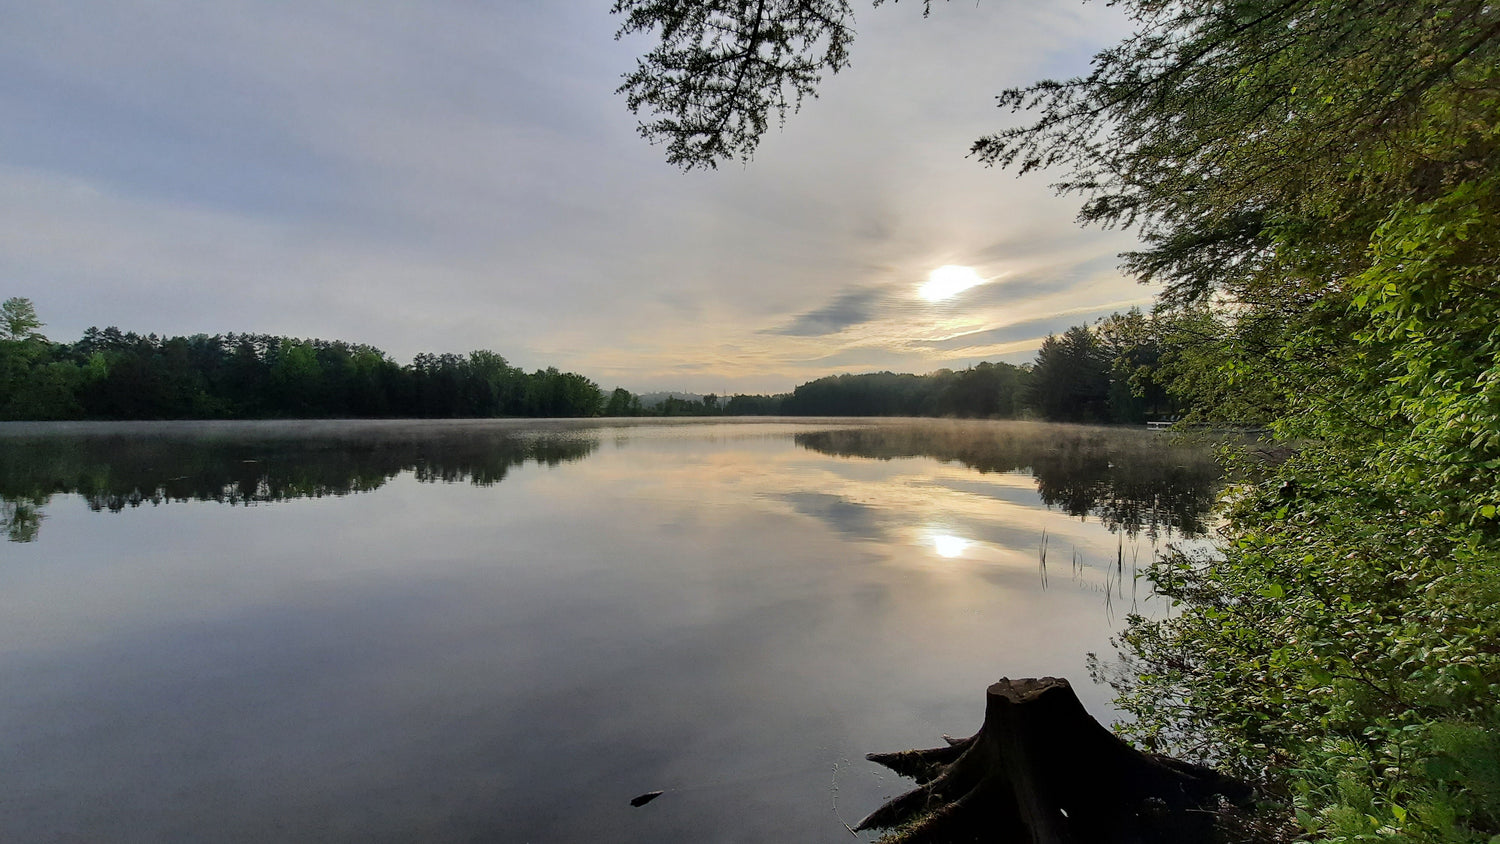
x=987, y=390
x=1317, y=185
x=1103, y=376
x=110, y=374
x=750, y=405
x=18, y=320
x=1219, y=370
x=35, y=383
x=1432, y=334
x=1070, y=380
x=622, y=403
x=1342, y=645
x=1217, y=127
x=1131, y=345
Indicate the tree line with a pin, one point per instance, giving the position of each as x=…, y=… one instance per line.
x=110, y=374
x=1127, y=369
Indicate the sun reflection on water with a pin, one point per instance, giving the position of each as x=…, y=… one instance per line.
x=948, y=545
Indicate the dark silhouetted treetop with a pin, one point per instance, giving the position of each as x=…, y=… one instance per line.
x=1216, y=127
x=1071, y=379
x=723, y=69
x=1216, y=124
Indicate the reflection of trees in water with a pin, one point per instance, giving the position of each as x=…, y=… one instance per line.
x=1129, y=479
x=21, y=517
x=116, y=472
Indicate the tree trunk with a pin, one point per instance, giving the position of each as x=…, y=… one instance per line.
x=1042, y=770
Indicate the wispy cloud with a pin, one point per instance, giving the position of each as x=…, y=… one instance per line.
x=1031, y=329
x=452, y=176
x=851, y=308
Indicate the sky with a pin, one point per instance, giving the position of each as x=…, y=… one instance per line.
x=451, y=175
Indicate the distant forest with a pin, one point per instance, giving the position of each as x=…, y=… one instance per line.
x=1100, y=374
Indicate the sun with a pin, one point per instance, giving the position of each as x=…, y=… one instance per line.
x=947, y=282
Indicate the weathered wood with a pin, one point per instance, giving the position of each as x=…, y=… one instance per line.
x=1042, y=770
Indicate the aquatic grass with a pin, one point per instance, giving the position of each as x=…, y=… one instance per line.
x=1042, y=558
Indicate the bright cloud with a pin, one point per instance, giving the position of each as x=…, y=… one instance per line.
x=449, y=176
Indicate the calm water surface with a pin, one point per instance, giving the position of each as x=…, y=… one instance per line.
x=503, y=631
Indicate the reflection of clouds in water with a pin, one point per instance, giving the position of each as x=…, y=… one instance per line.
x=857, y=521
x=1006, y=488
x=894, y=508
x=734, y=596
x=934, y=516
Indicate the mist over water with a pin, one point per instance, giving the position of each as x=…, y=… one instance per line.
x=505, y=630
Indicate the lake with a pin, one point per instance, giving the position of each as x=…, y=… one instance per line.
x=505, y=630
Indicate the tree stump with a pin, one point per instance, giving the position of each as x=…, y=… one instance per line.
x=1042, y=770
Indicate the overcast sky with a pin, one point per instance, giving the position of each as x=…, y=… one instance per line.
x=449, y=175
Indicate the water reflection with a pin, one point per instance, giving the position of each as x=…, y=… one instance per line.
x=21, y=516
x=114, y=468
x=948, y=545
x=1131, y=480
x=709, y=610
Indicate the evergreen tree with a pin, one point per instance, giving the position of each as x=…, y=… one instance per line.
x=1070, y=380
